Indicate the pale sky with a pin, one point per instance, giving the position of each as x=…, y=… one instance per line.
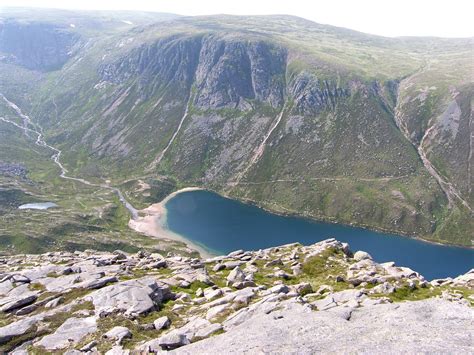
x=443, y=18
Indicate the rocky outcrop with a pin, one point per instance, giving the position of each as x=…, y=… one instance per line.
x=169, y=61
x=69, y=333
x=226, y=72
x=408, y=327
x=313, y=95
x=255, y=298
x=132, y=297
x=233, y=71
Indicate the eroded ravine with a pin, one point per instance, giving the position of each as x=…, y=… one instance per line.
x=258, y=152
x=34, y=128
x=158, y=159
x=452, y=194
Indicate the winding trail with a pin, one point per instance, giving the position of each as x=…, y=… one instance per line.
x=328, y=178
x=34, y=128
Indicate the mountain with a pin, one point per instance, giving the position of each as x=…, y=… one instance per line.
x=294, y=116
x=286, y=299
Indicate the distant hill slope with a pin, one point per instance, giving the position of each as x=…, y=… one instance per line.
x=298, y=117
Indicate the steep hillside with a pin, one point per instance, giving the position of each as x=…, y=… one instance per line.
x=297, y=117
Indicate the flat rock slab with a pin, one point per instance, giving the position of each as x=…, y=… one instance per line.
x=131, y=297
x=16, y=329
x=209, y=330
x=12, y=303
x=429, y=326
x=69, y=333
x=5, y=287
x=41, y=271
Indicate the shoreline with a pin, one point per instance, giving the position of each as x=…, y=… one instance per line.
x=150, y=221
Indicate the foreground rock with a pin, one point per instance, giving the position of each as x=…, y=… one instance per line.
x=254, y=302
x=430, y=326
x=69, y=333
x=132, y=297
x=118, y=334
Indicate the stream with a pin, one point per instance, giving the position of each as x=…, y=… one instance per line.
x=34, y=128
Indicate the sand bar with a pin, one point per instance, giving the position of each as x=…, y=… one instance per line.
x=151, y=221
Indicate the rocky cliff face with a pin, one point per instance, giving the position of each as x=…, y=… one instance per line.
x=228, y=93
x=225, y=72
x=247, y=301
x=36, y=46
x=233, y=72
x=171, y=61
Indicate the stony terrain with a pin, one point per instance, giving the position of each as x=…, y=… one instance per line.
x=287, y=299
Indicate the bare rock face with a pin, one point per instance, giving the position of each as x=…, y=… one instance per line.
x=227, y=72
x=168, y=60
x=233, y=71
x=133, y=297
x=70, y=332
x=313, y=95
x=297, y=331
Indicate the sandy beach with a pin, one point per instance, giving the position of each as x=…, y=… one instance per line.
x=151, y=221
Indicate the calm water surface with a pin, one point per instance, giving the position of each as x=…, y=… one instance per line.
x=222, y=225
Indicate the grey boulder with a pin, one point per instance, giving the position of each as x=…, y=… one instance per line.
x=162, y=322
x=69, y=333
x=361, y=255
x=12, y=303
x=131, y=297
x=118, y=333
x=236, y=275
